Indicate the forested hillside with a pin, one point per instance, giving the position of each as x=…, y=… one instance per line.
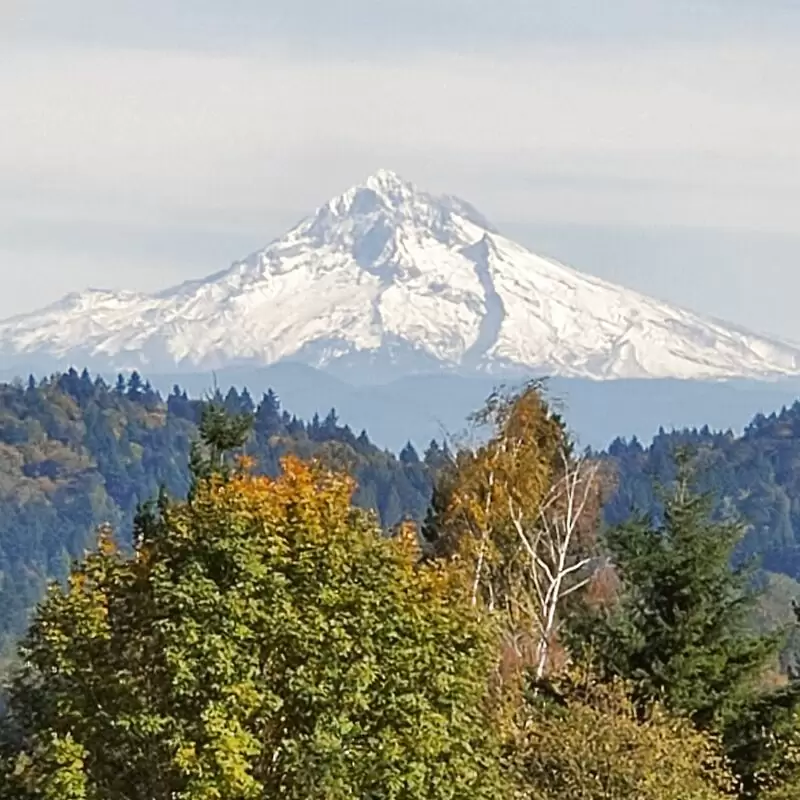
x=76, y=452
x=757, y=475
x=262, y=638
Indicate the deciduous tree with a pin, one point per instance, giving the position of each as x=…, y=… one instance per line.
x=520, y=510
x=264, y=640
x=588, y=741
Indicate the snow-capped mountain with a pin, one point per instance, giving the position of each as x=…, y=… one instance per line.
x=389, y=277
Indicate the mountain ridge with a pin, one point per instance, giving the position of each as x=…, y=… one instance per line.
x=387, y=279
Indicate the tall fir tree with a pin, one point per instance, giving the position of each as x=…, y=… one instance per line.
x=221, y=434
x=680, y=629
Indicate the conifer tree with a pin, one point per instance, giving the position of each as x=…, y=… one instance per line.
x=220, y=434
x=680, y=630
x=408, y=455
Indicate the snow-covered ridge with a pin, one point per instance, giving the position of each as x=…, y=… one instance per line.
x=386, y=274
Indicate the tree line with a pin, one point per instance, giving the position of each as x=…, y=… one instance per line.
x=76, y=452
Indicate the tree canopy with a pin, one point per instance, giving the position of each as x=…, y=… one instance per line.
x=287, y=630
x=597, y=745
x=262, y=640
x=680, y=631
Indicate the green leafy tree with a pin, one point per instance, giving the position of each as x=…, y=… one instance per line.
x=587, y=740
x=262, y=641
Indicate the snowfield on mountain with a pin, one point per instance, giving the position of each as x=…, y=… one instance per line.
x=387, y=274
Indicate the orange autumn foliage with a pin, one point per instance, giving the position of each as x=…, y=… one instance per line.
x=263, y=628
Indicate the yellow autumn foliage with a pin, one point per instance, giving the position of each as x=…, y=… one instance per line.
x=265, y=640
x=513, y=469
x=594, y=745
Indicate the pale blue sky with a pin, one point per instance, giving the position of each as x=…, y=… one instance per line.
x=654, y=143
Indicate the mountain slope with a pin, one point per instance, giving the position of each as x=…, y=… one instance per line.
x=388, y=280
